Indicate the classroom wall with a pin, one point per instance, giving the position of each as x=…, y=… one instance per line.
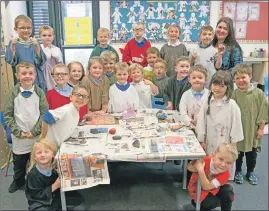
x=15, y=8
x=214, y=17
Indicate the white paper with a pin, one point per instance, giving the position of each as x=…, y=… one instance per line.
x=253, y=12
x=76, y=10
x=240, y=29
x=242, y=12
x=229, y=9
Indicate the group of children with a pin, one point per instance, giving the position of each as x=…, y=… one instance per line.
x=51, y=98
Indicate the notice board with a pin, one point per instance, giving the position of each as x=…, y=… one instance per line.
x=250, y=19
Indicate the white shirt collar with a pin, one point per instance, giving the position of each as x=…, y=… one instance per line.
x=30, y=90
x=223, y=100
x=177, y=43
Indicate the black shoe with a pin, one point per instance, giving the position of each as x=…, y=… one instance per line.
x=13, y=187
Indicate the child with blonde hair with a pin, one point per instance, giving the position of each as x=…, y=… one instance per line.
x=24, y=48
x=76, y=73
x=24, y=109
x=122, y=95
x=103, y=36
x=254, y=115
x=136, y=48
x=98, y=85
x=110, y=59
x=43, y=183
x=53, y=54
x=145, y=88
x=173, y=49
x=213, y=173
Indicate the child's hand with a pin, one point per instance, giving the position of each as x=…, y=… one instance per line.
x=29, y=135
x=169, y=106
x=203, y=145
x=193, y=122
x=221, y=49
x=34, y=41
x=88, y=116
x=259, y=133
x=24, y=134
x=14, y=40
x=147, y=82
x=194, y=55
x=199, y=165
x=101, y=112
x=57, y=183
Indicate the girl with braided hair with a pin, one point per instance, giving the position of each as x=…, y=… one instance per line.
x=219, y=119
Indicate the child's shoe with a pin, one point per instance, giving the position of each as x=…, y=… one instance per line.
x=13, y=187
x=238, y=178
x=251, y=177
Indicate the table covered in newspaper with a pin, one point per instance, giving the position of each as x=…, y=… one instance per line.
x=148, y=135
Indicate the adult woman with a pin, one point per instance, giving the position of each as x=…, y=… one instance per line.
x=229, y=51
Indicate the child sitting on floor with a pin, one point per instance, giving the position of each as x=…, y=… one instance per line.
x=213, y=173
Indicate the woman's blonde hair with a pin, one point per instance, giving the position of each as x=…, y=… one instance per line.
x=47, y=145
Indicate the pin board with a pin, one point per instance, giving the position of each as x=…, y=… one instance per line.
x=250, y=19
x=157, y=17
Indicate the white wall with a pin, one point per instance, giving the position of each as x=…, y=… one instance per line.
x=9, y=13
x=214, y=17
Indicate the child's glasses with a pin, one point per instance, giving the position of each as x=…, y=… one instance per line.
x=138, y=30
x=81, y=95
x=25, y=28
x=59, y=74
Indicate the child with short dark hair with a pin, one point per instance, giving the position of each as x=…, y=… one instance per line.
x=136, y=48
x=213, y=173
x=177, y=84
x=25, y=48
x=152, y=55
x=193, y=98
x=109, y=59
x=254, y=115
x=173, y=49
x=23, y=112
x=103, y=36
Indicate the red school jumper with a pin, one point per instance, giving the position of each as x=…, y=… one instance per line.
x=55, y=100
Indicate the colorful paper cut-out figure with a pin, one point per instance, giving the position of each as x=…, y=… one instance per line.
x=116, y=16
x=150, y=11
x=187, y=34
x=131, y=15
x=160, y=11
x=182, y=21
x=193, y=21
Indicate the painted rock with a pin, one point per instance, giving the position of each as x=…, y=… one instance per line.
x=116, y=137
x=112, y=131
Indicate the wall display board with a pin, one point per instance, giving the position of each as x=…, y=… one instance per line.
x=250, y=19
x=157, y=17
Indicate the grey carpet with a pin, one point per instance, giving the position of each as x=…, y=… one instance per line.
x=139, y=186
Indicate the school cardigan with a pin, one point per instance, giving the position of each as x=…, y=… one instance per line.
x=98, y=50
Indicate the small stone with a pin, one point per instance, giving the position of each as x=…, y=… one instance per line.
x=94, y=131
x=116, y=137
x=136, y=143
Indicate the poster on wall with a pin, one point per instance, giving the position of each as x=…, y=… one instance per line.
x=240, y=30
x=242, y=12
x=229, y=9
x=253, y=12
x=157, y=17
